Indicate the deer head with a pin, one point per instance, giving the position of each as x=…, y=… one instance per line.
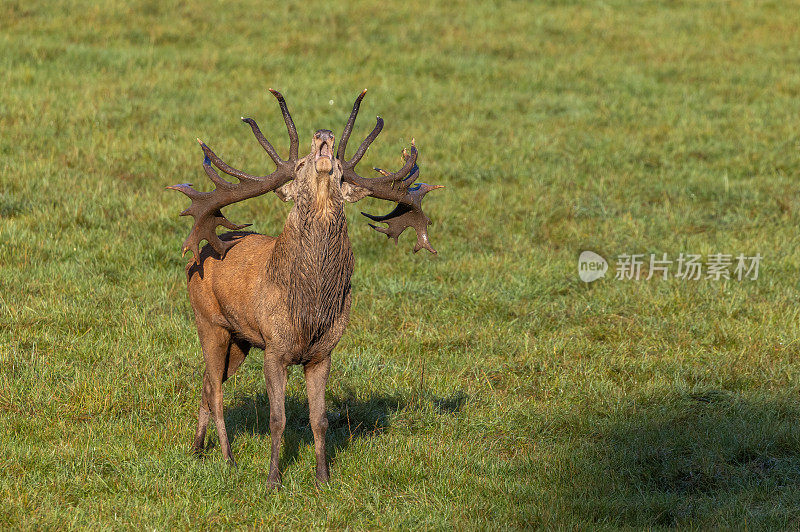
x=318, y=175
x=325, y=175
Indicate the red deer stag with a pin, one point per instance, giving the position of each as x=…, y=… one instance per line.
x=288, y=295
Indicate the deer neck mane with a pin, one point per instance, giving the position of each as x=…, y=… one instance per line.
x=315, y=251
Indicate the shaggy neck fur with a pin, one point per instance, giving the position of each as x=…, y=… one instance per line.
x=315, y=247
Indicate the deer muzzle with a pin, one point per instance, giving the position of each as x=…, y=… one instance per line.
x=323, y=151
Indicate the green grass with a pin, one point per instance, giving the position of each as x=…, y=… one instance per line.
x=486, y=387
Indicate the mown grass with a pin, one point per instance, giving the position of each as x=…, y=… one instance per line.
x=486, y=387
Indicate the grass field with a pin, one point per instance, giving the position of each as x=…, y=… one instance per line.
x=486, y=387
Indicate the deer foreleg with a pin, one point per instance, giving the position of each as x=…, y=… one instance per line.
x=316, y=380
x=275, y=375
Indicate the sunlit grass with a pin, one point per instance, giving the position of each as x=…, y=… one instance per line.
x=485, y=387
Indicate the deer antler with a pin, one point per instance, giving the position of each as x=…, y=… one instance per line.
x=206, y=206
x=397, y=186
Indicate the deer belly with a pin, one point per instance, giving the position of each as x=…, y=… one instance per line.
x=242, y=325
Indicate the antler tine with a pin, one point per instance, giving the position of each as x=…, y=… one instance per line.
x=408, y=169
x=340, y=153
x=384, y=184
x=213, y=175
x=263, y=141
x=206, y=206
x=225, y=167
x=362, y=149
x=294, y=142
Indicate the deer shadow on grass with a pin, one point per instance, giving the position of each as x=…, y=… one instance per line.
x=708, y=458
x=349, y=418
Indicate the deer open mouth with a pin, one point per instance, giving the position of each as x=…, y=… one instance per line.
x=323, y=158
x=324, y=151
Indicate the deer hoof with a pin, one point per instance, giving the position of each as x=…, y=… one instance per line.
x=322, y=479
x=198, y=451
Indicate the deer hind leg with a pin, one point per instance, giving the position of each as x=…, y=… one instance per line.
x=216, y=344
x=203, y=415
x=237, y=352
x=275, y=375
x=316, y=380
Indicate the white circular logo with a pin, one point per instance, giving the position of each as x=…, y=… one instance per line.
x=591, y=266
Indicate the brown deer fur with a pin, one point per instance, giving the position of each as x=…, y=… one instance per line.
x=288, y=295
x=250, y=299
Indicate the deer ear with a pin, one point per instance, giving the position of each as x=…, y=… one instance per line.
x=353, y=193
x=288, y=191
